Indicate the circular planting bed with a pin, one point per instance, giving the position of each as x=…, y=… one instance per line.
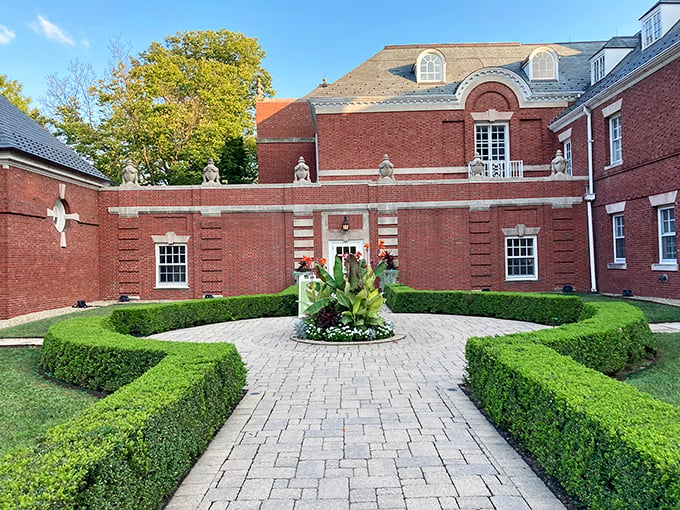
x=394, y=338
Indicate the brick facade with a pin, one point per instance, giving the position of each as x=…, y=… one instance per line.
x=651, y=159
x=37, y=273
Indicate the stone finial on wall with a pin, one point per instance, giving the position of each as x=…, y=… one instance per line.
x=129, y=177
x=558, y=166
x=386, y=170
x=211, y=174
x=301, y=172
x=477, y=166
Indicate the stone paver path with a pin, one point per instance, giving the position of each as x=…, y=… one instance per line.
x=365, y=427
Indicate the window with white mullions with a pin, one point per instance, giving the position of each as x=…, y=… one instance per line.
x=171, y=267
x=491, y=143
x=567, y=154
x=431, y=68
x=651, y=28
x=619, y=239
x=667, y=240
x=616, y=153
x=521, y=261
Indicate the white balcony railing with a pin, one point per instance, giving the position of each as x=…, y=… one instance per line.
x=496, y=169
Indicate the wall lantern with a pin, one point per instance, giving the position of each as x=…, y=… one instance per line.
x=345, y=225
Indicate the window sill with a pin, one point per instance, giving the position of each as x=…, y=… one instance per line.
x=617, y=265
x=521, y=280
x=665, y=266
x=614, y=165
x=171, y=287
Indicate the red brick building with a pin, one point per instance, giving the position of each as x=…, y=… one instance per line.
x=472, y=194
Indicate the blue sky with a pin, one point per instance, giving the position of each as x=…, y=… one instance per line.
x=305, y=41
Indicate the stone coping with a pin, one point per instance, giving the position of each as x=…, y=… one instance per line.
x=394, y=338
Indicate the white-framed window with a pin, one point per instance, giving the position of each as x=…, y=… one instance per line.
x=430, y=68
x=521, y=258
x=597, y=69
x=651, y=29
x=342, y=248
x=171, y=265
x=615, y=147
x=491, y=141
x=567, y=154
x=543, y=65
x=619, y=239
x=667, y=241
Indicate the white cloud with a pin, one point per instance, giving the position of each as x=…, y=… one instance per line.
x=48, y=29
x=6, y=35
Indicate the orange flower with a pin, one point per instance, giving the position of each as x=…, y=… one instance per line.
x=367, y=245
x=381, y=244
x=322, y=261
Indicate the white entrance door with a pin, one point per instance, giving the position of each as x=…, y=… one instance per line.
x=342, y=248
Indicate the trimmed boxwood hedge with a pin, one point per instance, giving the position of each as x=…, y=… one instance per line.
x=608, y=444
x=131, y=449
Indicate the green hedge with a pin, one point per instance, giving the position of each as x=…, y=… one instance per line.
x=608, y=444
x=131, y=449
x=539, y=308
x=151, y=319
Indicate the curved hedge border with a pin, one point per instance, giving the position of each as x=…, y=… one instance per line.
x=131, y=449
x=608, y=444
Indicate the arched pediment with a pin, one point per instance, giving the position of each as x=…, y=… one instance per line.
x=494, y=74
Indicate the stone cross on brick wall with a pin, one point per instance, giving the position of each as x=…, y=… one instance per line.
x=60, y=216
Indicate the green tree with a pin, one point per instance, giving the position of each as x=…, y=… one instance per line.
x=171, y=108
x=12, y=90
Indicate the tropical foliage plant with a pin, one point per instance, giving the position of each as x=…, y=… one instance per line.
x=346, y=306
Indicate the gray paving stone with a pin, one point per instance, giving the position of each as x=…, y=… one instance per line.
x=351, y=427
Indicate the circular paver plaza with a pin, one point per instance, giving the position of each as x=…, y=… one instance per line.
x=381, y=426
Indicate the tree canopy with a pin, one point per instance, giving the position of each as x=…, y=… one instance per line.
x=169, y=109
x=12, y=90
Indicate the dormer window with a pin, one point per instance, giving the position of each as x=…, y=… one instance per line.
x=597, y=71
x=651, y=29
x=543, y=65
x=430, y=67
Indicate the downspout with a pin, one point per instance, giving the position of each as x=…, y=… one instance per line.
x=590, y=198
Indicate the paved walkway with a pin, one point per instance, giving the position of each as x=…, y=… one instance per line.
x=358, y=427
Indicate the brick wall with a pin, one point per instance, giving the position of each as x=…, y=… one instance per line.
x=37, y=273
x=650, y=114
x=255, y=250
x=283, y=125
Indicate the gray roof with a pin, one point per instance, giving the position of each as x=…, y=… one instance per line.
x=20, y=133
x=390, y=72
x=633, y=61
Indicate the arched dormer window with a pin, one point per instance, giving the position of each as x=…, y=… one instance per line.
x=543, y=64
x=430, y=67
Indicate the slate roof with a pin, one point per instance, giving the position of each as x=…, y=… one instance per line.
x=20, y=133
x=390, y=72
x=633, y=61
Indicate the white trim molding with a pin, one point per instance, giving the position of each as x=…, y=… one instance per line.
x=564, y=135
x=618, y=207
x=170, y=238
x=663, y=198
x=613, y=108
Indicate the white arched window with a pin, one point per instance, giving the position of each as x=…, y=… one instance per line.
x=430, y=67
x=543, y=65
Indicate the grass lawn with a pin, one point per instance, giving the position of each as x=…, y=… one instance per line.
x=662, y=380
x=654, y=312
x=31, y=404
x=38, y=329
